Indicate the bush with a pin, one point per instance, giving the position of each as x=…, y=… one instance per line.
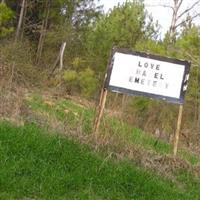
x=88, y=82
x=71, y=79
x=5, y=15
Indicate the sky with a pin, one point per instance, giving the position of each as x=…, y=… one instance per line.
x=162, y=14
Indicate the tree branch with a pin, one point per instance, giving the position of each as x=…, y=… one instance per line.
x=160, y=5
x=188, y=9
x=197, y=15
x=180, y=3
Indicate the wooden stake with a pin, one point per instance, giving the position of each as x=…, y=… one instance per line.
x=176, y=138
x=101, y=107
x=102, y=102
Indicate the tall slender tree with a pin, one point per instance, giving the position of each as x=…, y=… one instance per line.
x=43, y=30
x=20, y=21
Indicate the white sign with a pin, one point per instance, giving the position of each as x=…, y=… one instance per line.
x=141, y=74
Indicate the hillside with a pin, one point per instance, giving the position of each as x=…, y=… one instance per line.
x=36, y=165
x=52, y=154
x=58, y=60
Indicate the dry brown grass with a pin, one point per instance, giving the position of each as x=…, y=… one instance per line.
x=11, y=101
x=114, y=146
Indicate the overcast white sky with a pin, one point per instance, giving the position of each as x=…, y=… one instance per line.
x=163, y=15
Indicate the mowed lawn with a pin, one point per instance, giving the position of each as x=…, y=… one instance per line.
x=38, y=165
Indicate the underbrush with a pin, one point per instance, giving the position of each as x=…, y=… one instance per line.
x=17, y=64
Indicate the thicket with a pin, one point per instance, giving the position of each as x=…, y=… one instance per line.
x=33, y=34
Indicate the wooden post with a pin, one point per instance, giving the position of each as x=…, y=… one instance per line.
x=101, y=107
x=176, y=138
x=102, y=102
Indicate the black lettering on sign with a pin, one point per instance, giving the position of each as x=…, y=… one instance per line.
x=137, y=80
x=156, y=75
x=152, y=65
x=138, y=71
x=131, y=79
x=157, y=67
x=142, y=81
x=144, y=73
x=154, y=83
x=146, y=65
x=139, y=64
x=149, y=65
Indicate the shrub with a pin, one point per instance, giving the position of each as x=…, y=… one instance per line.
x=5, y=15
x=71, y=79
x=88, y=82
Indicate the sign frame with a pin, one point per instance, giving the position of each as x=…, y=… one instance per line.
x=184, y=84
x=106, y=87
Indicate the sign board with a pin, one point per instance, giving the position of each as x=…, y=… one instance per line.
x=148, y=75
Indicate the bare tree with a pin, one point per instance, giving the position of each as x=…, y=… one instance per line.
x=179, y=16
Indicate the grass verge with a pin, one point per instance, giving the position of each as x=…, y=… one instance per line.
x=78, y=116
x=35, y=165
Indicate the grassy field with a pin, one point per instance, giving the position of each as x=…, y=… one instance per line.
x=38, y=165
x=75, y=115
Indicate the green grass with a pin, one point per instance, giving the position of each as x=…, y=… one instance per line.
x=137, y=136
x=143, y=140
x=36, y=165
x=75, y=115
x=81, y=116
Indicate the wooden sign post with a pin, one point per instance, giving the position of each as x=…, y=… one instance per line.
x=178, y=128
x=101, y=107
x=142, y=74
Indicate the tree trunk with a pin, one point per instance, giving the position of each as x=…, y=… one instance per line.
x=59, y=58
x=2, y=1
x=20, y=20
x=172, y=31
x=43, y=32
x=178, y=15
x=62, y=50
x=24, y=21
x=40, y=43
